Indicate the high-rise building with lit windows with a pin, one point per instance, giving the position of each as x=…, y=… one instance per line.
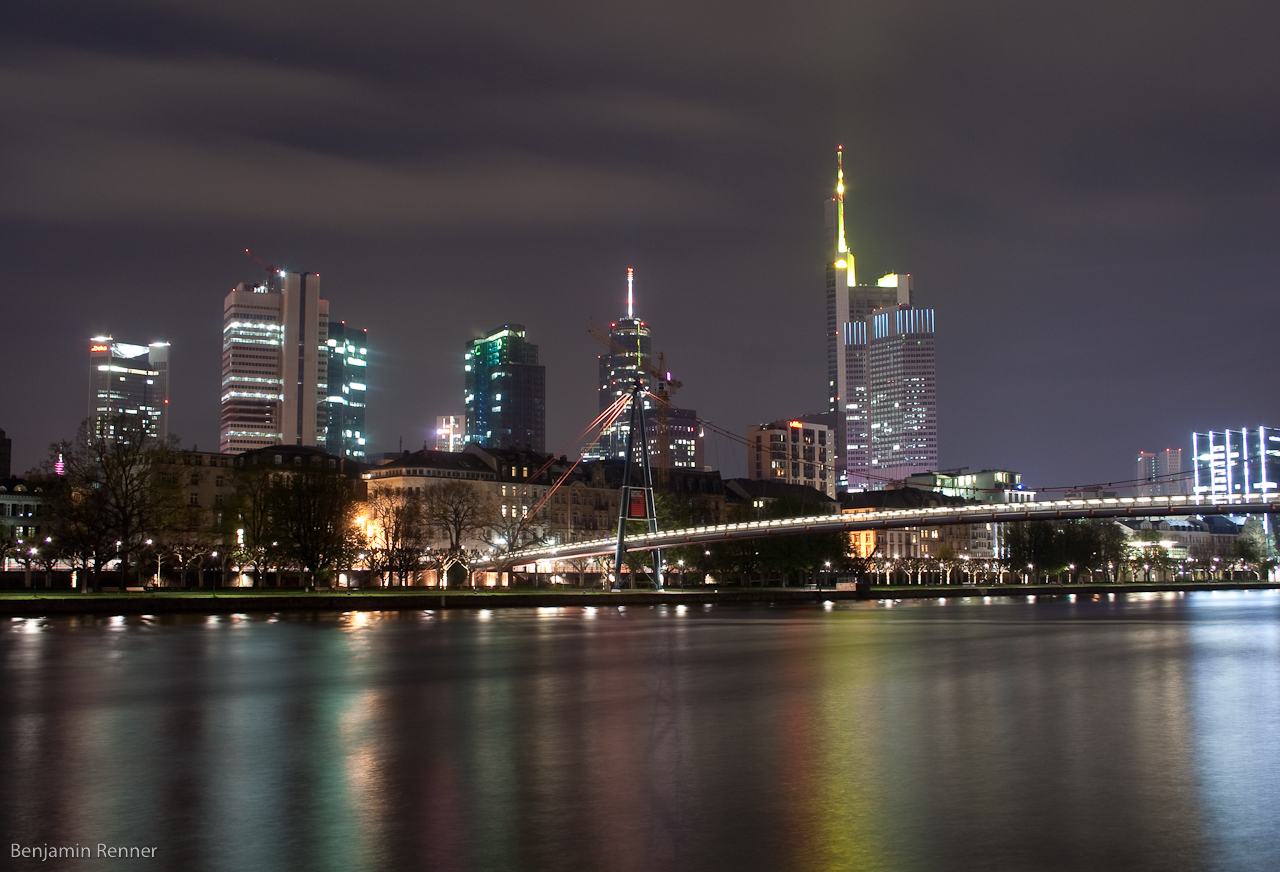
x=1236, y=462
x=505, y=391
x=348, y=362
x=675, y=435
x=881, y=375
x=793, y=452
x=450, y=433
x=275, y=364
x=128, y=380
x=1160, y=473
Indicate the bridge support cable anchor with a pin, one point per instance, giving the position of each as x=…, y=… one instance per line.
x=637, y=501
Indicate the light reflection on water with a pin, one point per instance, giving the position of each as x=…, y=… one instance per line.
x=1135, y=733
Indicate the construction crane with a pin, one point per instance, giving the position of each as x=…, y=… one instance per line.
x=666, y=386
x=273, y=271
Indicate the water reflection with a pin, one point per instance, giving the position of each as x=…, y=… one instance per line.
x=1131, y=733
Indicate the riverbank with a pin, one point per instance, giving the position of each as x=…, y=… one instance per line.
x=203, y=602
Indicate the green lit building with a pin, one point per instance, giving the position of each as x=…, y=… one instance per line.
x=505, y=391
x=344, y=404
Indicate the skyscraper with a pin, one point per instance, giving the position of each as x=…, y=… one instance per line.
x=1236, y=462
x=881, y=376
x=901, y=394
x=505, y=391
x=275, y=364
x=347, y=382
x=1160, y=473
x=450, y=433
x=130, y=380
x=675, y=435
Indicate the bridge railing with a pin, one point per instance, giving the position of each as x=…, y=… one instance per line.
x=1248, y=503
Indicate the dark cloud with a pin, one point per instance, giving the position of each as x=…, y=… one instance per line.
x=1086, y=192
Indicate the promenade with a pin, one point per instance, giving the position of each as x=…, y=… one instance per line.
x=26, y=604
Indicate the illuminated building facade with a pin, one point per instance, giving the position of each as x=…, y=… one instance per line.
x=793, y=452
x=450, y=433
x=505, y=391
x=348, y=366
x=275, y=364
x=902, y=406
x=130, y=380
x=1236, y=462
x=1160, y=473
x=903, y=365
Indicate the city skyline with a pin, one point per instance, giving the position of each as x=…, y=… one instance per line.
x=457, y=173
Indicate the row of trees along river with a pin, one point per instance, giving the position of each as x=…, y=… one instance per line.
x=118, y=514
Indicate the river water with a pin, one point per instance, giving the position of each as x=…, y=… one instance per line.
x=1130, y=734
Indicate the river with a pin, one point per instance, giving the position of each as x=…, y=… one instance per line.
x=1136, y=733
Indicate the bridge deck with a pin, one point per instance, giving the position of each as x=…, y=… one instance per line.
x=1045, y=510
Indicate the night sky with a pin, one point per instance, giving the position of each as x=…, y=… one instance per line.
x=1087, y=193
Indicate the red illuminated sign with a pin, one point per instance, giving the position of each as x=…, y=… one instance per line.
x=93, y=348
x=637, y=505
x=796, y=424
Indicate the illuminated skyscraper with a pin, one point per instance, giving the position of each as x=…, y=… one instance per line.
x=505, y=391
x=629, y=360
x=275, y=361
x=348, y=362
x=1235, y=462
x=130, y=380
x=873, y=365
x=450, y=433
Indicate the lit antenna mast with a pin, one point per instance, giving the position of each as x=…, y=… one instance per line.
x=841, y=248
x=631, y=277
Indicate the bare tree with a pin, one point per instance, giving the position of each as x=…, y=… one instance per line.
x=115, y=490
x=399, y=534
x=256, y=530
x=509, y=534
x=314, y=514
x=459, y=514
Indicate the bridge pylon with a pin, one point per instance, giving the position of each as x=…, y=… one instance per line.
x=637, y=501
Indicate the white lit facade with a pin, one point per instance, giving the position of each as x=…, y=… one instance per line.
x=275, y=360
x=450, y=434
x=131, y=381
x=1236, y=462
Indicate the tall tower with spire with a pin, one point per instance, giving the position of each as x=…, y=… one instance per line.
x=880, y=387
x=621, y=366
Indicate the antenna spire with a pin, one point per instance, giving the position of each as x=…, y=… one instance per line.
x=631, y=277
x=842, y=250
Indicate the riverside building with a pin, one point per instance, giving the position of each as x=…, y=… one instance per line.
x=792, y=452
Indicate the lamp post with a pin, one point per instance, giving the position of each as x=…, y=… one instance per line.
x=156, y=581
